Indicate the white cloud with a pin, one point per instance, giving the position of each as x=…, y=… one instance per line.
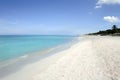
x=112, y=19
x=98, y=7
x=103, y=2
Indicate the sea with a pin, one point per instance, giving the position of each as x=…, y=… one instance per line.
x=15, y=46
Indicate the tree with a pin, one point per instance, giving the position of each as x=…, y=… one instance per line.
x=115, y=29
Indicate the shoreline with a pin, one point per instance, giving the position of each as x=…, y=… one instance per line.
x=14, y=65
x=92, y=58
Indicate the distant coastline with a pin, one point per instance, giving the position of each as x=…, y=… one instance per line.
x=115, y=31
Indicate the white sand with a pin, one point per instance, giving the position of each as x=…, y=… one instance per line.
x=93, y=58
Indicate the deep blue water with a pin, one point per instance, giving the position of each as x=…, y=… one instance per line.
x=12, y=46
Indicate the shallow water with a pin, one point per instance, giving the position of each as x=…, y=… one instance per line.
x=12, y=46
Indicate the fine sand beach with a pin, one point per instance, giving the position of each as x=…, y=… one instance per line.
x=91, y=58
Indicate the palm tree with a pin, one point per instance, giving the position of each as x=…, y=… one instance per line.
x=115, y=29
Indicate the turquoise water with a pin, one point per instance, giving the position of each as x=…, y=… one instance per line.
x=12, y=46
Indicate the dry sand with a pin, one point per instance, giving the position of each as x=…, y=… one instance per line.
x=92, y=58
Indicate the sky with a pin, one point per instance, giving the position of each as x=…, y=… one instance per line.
x=57, y=17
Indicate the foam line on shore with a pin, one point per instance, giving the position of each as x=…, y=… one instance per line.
x=92, y=58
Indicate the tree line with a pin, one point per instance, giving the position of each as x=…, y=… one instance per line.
x=114, y=31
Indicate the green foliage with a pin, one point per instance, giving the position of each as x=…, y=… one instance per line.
x=112, y=31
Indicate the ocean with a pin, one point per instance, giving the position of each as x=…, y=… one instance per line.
x=14, y=46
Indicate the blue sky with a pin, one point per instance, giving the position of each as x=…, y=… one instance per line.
x=57, y=16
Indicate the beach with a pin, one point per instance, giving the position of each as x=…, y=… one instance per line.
x=91, y=58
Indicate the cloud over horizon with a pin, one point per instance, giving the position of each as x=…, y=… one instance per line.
x=106, y=2
x=112, y=19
